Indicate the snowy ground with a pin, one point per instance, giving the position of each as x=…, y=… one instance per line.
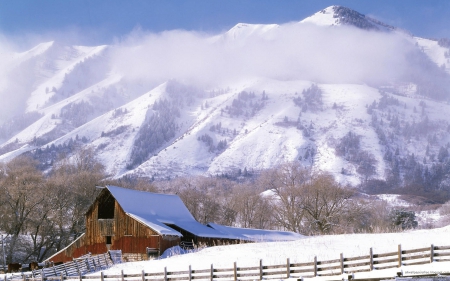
x=303, y=250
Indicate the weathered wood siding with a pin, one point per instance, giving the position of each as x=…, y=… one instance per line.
x=126, y=234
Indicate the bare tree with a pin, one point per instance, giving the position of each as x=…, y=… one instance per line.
x=74, y=182
x=253, y=209
x=21, y=190
x=310, y=203
x=287, y=182
x=326, y=203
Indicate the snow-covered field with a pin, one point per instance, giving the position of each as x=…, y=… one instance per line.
x=327, y=247
x=324, y=247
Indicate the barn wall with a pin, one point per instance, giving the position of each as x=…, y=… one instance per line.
x=132, y=236
x=76, y=249
x=126, y=234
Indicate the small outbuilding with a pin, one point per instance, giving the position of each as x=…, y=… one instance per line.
x=144, y=224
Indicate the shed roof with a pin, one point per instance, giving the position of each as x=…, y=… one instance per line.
x=257, y=235
x=156, y=210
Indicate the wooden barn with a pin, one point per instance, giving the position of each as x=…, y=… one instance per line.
x=144, y=224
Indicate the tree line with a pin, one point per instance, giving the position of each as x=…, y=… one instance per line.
x=41, y=213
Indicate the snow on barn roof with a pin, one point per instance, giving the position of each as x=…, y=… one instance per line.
x=156, y=210
x=257, y=235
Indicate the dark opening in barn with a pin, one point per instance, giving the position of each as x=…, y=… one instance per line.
x=188, y=238
x=106, y=207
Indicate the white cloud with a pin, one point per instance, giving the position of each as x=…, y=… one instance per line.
x=292, y=51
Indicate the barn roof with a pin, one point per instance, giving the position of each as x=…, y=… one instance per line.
x=257, y=235
x=157, y=210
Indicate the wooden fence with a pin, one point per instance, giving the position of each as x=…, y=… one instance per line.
x=78, y=267
x=341, y=265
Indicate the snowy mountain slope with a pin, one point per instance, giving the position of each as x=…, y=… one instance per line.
x=72, y=96
x=19, y=58
x=18, y=75
x=435, y=52
x=272, y=136
x=330, y=16
x=339, y=15
x=62, y=65
x=323, y=18
x=49, y=122
x=112, y=134
x=246, y=30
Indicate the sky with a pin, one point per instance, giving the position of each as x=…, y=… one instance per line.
x=94, y=22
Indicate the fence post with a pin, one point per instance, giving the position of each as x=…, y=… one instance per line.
x=102, y=278
x=288, y=268
x=78, y=268
x=431, y=253
x=65, y=269
x=25, y=278
x=143, y=275
x=190, y=273
x=235, y=271
x=342, y=263
x=42, y=275
x=54, y=270
x=371, y=259
x=165, y=273
x=122, y=276
x=79, y=275
x=399, y=255
x=62, y=277
x=212, y=272
x=86, y=261
x=315, y=266
x=260, y=270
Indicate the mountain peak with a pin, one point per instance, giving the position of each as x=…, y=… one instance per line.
x=340, y=15
x=324, y=17
x=244, y=30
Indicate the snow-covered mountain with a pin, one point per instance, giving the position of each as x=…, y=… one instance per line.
x=372, y=106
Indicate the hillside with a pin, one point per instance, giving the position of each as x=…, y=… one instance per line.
x=337, y=91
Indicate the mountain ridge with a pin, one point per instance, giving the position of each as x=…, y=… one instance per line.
x=138, y=129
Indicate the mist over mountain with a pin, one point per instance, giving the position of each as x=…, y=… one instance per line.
x=337, y=91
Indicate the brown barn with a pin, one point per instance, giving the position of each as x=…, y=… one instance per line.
x=142, y=224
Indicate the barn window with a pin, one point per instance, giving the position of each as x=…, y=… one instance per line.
x=108, y=240
x=106, y=207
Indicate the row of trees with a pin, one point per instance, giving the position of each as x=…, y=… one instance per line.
x=246, y=104
x=42, y=213
x=288, y=197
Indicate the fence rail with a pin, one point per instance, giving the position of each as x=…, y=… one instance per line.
x=77, y=267
x=342, y=265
